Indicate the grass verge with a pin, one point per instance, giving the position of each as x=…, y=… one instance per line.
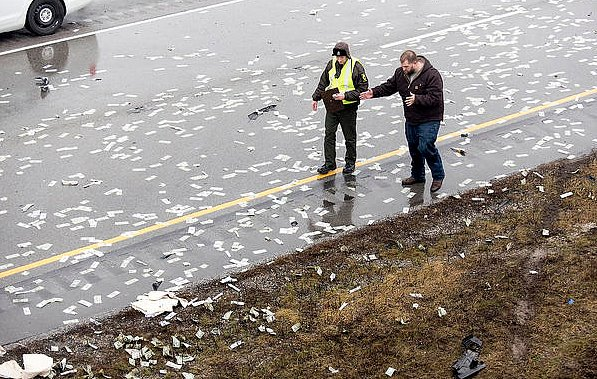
x=513, y=263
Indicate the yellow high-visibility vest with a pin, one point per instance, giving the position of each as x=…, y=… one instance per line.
x=344, y=81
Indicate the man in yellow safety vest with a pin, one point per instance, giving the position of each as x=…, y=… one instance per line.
x=345, y=77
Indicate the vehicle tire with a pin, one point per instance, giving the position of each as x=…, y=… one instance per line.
x=45, y=16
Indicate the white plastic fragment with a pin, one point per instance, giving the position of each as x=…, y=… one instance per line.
x=295, y=328
x=11, y=369
x=441, y=312
x=333, y=370
x=545, y=232
x=235, y=345
x=390, y=371
x=533, y=272
x=35, y=364
x=155, y=303
x=565, y=195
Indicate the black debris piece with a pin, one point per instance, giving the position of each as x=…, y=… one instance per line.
x=458, y=151
x=469, y=364
x=259, y=112
x=155, y=285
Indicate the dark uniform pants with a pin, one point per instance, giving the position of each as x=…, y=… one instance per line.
x=347, y=118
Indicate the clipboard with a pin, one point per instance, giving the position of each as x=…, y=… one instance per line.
x=332, y=105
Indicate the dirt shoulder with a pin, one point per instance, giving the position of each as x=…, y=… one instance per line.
x=514, y=264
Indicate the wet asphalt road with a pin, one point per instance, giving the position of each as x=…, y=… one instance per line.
x=151, y=123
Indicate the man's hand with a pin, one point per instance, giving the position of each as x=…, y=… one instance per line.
x=410, y=100
x=366, y=95
x=338, y=96
x=314, y=106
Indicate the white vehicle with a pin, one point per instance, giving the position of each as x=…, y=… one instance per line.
x=41, y=17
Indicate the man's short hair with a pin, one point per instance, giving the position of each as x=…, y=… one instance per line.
x=408, y=56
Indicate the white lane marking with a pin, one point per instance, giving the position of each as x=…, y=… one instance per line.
x=213, y=6
x=453, y=28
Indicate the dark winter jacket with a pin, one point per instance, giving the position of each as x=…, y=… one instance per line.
x=359, y=79
x=428, y=89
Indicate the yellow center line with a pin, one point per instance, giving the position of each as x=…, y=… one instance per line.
x=274, y=190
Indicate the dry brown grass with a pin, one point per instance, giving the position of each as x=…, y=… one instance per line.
x=528, y=329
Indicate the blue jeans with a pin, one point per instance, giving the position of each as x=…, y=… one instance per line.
x=421, y=146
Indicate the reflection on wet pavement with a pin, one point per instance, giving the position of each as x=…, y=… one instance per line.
x=48, y=67
x=337, y=203
x=416, y=196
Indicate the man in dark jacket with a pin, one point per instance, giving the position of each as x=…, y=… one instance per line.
x=421, y=87
x=345, y=75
